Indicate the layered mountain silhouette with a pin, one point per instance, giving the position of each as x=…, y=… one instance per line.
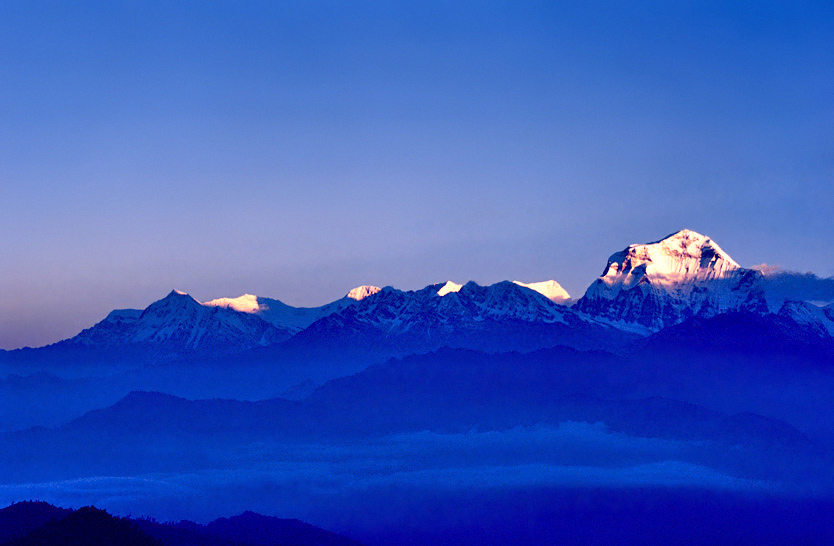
x=454, y=391
x=85, y=527
x=680, y=378
x=254, y=348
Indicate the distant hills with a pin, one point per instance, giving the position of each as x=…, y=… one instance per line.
x=454, y=391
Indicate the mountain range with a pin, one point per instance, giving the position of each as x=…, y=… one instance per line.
x=643, y=289
x=253, y=347
x=683, y=398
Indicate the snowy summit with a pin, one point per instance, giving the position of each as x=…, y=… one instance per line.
x=361, y=292
x=246, y=303
x=664, y=282
x=551, y=290
x=449, y=288
x=675, y=261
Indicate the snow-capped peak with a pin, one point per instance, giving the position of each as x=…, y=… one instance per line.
x=286, y=317
x=680, y=257
x=178, y=322
x=448, y=288
x=361, y=292
x=246, y=303
x=551, y=290
x=175, y=299
x=664, y=282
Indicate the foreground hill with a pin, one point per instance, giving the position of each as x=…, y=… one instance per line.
x=22, y=518
x=85, y=527
x=39, y=523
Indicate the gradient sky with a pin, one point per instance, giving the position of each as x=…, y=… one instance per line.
x=297, y=149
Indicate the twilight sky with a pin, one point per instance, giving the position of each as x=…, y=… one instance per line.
x=297, y=149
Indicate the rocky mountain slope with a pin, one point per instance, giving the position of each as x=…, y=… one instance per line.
x=662, y=283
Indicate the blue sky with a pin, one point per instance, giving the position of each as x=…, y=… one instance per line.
x=297, y=149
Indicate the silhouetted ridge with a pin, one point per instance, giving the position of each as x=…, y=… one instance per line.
x=253, y=528
x=41, y=524
x=87, y=526
x=143, y=397
x=22, y=518
x=447, y=391
x=751, y=427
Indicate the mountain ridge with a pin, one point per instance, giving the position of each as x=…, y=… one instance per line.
x=643, y=289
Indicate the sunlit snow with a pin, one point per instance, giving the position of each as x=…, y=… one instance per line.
x=449, y=287
x=551, y=290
